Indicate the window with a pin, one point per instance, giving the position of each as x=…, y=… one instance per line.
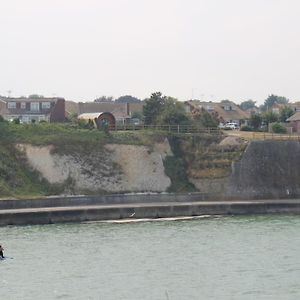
x=45, y=105
x=227, y=107
x=23, y=105
x=11, y=105
x=34, y=106
x=209, y=108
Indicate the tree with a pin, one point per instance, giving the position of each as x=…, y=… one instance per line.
x=128, y=99
x=35, y=96
x=137, y=115
x=270, y=117
x=205, y=119
x=164, y=110
x=173, y=112
x=278, y=128
x=272, y=99
x=247, y=104
x=104, y=99
x=285, y=113
x=255, y=121
x=153, y=107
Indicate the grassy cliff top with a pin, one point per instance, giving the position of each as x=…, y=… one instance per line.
x=69, y=134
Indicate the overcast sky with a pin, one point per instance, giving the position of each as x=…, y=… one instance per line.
x=208, y=49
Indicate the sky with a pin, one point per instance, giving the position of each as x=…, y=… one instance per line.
x=204, y=49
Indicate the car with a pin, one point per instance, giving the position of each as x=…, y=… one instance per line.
x=231, y=126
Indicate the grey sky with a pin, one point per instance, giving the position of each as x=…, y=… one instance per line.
x=211, y=49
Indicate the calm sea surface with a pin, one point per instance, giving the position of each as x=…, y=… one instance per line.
x=215, y=258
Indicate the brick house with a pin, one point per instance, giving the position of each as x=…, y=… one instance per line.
x=29, y=109
x=294, y=122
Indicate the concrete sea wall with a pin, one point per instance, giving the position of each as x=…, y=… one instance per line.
x=268, y=169
x=117, y=207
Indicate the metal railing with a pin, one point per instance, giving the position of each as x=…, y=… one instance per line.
x=266, y=136
x=169, y=128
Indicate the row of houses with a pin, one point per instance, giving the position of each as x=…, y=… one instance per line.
x=57, y=109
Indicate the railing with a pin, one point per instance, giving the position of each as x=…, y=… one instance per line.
x=169, y=128
x=265, y=136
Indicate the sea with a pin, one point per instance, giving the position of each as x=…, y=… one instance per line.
x=248, y=257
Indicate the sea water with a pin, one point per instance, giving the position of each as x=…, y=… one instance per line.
x=253, y=257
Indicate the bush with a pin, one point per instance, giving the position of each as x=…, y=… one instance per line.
x=246, y=128
x=278, y=128
x=16, y=121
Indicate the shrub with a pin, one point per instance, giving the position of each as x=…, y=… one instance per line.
x=16, y=121
x=278, y=128
x=246, y=128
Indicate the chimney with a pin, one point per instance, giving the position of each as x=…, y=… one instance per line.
x=80, y=108
x=128, y=109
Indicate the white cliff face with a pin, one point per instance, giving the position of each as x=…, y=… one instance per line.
x=116, y=168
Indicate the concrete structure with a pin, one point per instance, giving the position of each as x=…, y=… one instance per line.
x=121, y=111
x=29, y=110
x=22, y=212
x=100, y=119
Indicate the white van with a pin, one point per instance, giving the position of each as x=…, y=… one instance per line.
x=232, y=126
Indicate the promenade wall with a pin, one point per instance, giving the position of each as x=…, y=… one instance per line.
x=85, y=209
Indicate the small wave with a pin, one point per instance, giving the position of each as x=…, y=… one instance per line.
x=121, y=221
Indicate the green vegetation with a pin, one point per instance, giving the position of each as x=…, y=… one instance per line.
x=285, y=113
x=205, y=158
x=18, y=179
x=164, y=110
x=255, y=121
x=175, y=168
x=273, y=99
x=278, y=128
x=128, y=99
x=248, y=104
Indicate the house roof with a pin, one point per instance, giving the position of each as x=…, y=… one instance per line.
x=4, y=110
x=24, y=99
x=90, y=115
x=219, y=107
x=119, y=110
x=294, y=117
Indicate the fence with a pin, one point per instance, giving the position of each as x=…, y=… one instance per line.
x=265, y=136
x=169, y=128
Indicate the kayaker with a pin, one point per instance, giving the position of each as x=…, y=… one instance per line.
x=1, y=251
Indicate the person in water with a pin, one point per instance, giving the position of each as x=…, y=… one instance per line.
x=1, y=251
